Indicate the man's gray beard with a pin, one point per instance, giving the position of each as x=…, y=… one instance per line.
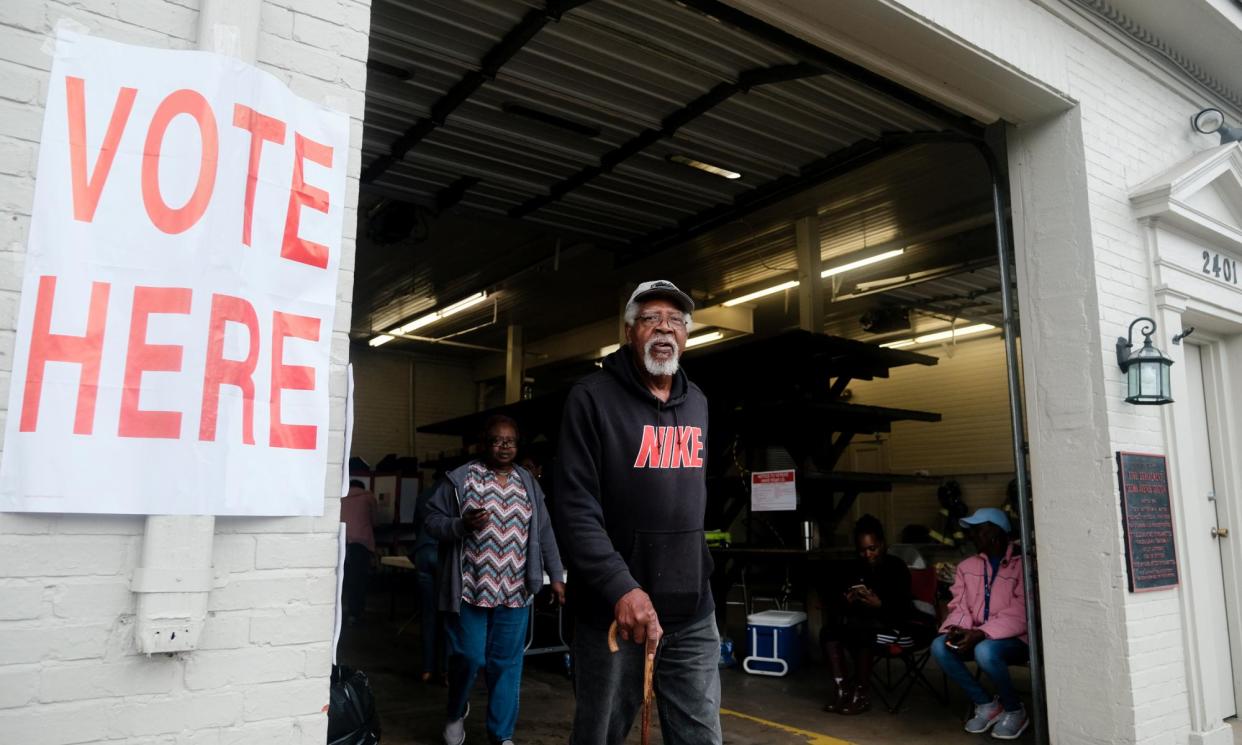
x=656, y=367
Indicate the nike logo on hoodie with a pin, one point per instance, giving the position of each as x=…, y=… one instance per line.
x=670, y=447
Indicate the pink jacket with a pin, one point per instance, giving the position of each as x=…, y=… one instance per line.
x=1007, y=608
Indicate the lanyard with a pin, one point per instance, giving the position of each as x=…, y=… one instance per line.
x=987, y=585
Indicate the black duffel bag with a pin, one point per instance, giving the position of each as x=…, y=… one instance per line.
x=352, y=719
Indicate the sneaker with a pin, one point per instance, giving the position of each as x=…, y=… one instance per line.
x=455, y=731
x=985, y=716
x=1010, y=725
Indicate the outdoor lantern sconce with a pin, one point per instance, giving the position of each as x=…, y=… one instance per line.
x=1211, y=121
x=1147, y=370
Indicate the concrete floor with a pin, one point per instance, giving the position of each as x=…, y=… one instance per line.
x=755, y=711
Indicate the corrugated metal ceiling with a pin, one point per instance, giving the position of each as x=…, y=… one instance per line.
x=623, y=67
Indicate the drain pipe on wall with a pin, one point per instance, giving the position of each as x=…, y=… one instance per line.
x=1004, y=255
x=175, y=576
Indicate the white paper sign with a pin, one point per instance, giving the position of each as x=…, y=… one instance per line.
x=172, y=348
x=772, y=491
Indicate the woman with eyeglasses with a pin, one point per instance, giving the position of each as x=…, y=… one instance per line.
x=873, y=608
x=496, y=544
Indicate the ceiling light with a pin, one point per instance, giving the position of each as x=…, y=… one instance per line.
x=707, y=338
x=978, y=328
x=761, y=293
x=436, y=315
x=380, y=340
x=862, y=262
x=707, y=167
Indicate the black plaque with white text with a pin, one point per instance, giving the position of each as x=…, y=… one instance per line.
x=1151, y=557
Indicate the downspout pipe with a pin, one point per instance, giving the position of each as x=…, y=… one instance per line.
x=1004, y=254
x=174, y=579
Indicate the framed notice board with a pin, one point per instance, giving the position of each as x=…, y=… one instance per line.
x=1151, y=558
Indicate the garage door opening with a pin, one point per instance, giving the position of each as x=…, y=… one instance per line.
x=525, y=165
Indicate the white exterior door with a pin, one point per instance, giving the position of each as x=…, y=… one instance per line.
x=1204, y=515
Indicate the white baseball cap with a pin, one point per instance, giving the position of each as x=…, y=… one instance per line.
x=663, y=288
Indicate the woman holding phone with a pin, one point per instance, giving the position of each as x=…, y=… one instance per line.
x=873, y=608
x=496, y=543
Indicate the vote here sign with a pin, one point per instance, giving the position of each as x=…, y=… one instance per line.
x=172, y=347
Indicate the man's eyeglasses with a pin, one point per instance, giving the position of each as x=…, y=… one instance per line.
x=502, y=442
x=651, y=320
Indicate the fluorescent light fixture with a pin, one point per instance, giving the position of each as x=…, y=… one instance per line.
x=707, y=338
x=862, y=262
x=381, y=340
x=978, y=328
x=706, y=167
x=605, y=351
x=437, y=315
x=761, y=293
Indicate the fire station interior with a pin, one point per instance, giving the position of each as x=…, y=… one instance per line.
x=525, y=165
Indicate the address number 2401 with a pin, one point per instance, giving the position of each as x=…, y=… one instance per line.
x=1224, y=269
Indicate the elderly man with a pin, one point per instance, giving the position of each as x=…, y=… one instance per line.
x=630, y=499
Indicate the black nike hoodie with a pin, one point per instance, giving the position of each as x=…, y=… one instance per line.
x=631, y=494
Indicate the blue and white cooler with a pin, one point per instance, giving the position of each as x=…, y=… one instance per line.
x=775, y=642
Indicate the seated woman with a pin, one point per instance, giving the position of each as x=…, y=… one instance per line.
x=987, y=623
x=496, y=542
x=873, y=608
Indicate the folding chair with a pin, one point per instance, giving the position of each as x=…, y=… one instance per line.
x=915, y=656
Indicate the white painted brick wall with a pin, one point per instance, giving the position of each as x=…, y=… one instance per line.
x=1133, y=125
x=68, y=671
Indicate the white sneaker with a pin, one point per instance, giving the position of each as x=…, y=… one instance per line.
x=1011, y=725
x=985, y=716
x=455, y=731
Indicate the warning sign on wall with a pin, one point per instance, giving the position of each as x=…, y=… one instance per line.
x=172, y=347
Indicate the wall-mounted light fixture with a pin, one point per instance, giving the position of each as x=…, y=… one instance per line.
x=1211, y=121
x=1147, y=370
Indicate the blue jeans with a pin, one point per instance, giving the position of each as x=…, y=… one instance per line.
x=492, y=640
x=994, y=656
x=430, y=624
x=609, y=687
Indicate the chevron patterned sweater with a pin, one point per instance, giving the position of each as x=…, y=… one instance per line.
x=493, y=567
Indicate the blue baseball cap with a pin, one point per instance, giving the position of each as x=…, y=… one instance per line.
x=987, y=515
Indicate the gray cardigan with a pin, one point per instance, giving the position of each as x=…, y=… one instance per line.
x=444, y=523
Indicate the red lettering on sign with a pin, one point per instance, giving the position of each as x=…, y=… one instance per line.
x=47, y=347
x=301, y=193
x=180, y=219
x=221, y=371
x=262, y=129
x=88, y=186
x=142, y=357
x=291, y=378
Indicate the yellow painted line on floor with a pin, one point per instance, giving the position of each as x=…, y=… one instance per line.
x=812, y=738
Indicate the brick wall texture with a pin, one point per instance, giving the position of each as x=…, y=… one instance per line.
x=68, y=668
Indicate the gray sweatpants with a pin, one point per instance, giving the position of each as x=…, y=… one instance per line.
x=609, y=687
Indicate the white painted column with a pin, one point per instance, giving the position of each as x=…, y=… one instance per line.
x=1076, y=513
x=175, y=577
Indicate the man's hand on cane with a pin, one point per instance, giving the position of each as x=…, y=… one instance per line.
x=637, y=620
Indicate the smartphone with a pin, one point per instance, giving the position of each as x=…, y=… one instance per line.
x=858, y=587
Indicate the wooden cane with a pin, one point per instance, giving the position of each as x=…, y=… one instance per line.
x=648, y=670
